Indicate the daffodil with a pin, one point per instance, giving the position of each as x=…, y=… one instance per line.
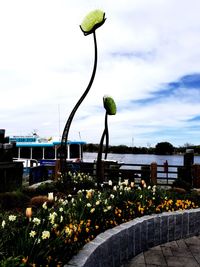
x=52, y=217
x=12, y=218
x=92, y=210
x=36, y=221
x=68, y=231
x=32, y=233
x=3, y=224
x=45, y=235
x=97, y=202
x=44, y=205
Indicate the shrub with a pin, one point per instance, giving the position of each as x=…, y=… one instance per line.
x=182, y=184
x=13, y=200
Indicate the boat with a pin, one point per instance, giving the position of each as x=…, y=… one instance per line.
x=33, y=150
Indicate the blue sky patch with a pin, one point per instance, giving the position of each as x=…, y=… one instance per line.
x=196, y=118
x=187, y=81
x=167, y=90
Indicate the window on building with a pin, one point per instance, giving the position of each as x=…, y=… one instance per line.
x=49, y=153
x=37, y=153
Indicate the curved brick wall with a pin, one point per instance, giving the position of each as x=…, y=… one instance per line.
x=115, y=246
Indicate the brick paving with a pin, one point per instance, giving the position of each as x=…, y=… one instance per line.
x=180, y=253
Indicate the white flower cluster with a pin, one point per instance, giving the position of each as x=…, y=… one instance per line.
x=52, y=217
x=36, y=221
x=12, y=218
x=45, y=235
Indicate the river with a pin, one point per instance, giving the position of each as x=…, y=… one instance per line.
x=141, y=158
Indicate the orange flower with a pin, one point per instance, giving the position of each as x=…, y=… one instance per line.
x=88, y=222
x=24, y=260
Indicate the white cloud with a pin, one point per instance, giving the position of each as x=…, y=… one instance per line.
x=46, y=62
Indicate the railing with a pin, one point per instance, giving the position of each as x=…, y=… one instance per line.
x=169, y=176
x=156, y=174
x=150, y=172
x=134, y=172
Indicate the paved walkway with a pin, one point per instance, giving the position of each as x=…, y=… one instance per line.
x=180, y=253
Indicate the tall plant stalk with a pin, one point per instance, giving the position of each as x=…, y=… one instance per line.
x=100, y=152
x=71, y=116
x=110, y=107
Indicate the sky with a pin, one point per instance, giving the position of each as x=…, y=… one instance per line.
x=148, y=62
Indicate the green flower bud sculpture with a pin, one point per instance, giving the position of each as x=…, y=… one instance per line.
x=109, y=105
x=91, y=22
x=111, y=109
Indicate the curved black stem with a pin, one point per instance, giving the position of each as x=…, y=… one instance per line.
x=71, y=116
x=107, y=135
x=99, y=171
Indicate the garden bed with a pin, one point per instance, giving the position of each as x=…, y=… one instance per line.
x=57, y=225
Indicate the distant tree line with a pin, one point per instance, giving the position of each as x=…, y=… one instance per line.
x=162, y=148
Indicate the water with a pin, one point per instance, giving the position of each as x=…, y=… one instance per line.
x=141, y=158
